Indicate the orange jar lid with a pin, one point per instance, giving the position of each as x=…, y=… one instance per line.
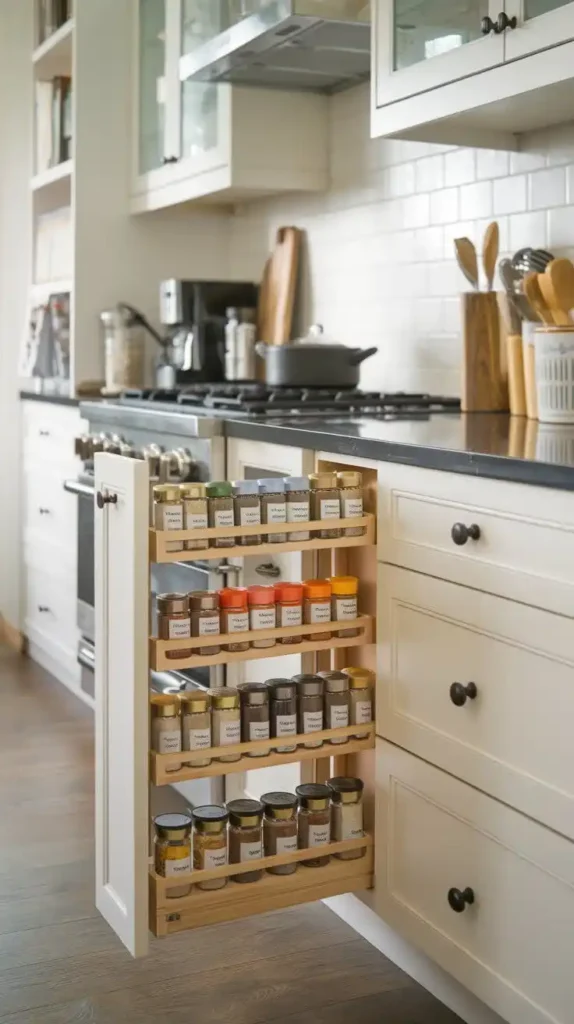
x=289, y=592
x=314, y=589
x=233, y=597
x=261, y=595
x=344, y=586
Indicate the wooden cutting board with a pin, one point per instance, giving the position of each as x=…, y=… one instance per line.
x=278, y=287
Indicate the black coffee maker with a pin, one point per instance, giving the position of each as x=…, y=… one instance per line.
x=193, y=314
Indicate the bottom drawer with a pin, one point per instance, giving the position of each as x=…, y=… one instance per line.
x=486, y=892
x=51, y=606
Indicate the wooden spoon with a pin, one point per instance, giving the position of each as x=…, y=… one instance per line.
x=490, y=252
x=561, y=274
x=467, y=260
x=558, y=315
x=531, y=286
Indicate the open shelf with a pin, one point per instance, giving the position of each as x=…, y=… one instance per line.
x=160, y=764
x=53, y=188
x=159, y=538
x=158, y=649
x=53, y=57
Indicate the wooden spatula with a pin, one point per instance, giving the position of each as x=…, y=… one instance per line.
x=561, y=274
x=559, y=317
x=467, y=261
x=531, y=286
x=490, y=252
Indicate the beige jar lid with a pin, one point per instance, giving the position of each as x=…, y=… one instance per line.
x=349, y=479
x=323, y=481
x=173, y=604
x=166, y=492
x=359, y=678
x=192, y=490
x=204, y=601
x=195, y=701
x=223, y=697
x=165, y=705
x=335, y=682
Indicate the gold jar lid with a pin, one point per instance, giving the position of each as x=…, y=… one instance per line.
x=280, y=806
x=314, y=796
x=165, y=705
x=359, y=678
x=323, y=481
x=173, y=604
x=223, y=697
x=166, y=492
x=210, y=818
x=192, y=490
x=204, y=601
x=245, y=813
x=345, y=790
x=173, y=827
x=195, y=701
x=349, y=479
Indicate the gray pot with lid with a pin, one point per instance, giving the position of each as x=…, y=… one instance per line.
x=313, y=361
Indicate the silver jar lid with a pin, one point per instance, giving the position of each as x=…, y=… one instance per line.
x=309, y=685
x=282, y=689
x=335, y=682
x=297, y=483
x=253, y=693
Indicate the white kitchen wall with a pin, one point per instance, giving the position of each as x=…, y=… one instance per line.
x=379, y=267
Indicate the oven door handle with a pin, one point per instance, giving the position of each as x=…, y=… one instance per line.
x=87, y=656
x=74, y=487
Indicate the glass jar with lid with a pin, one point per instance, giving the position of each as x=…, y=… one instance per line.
x=314, y=820
x=273, y=506
x=280, y=829
x=221, y=511
x=225, y=720
x=205, y=618
x=210, y=842
x=168, y=512
x=247, y=505
x=166, y=725
x=347, y=814
x=317, y=605
x=234, y=615
x=345, y=602
x=196, y=725
x=325, y=501
x=310, y=690
x=172, y=849
x=283, y=711
x=194, y=513
x=245, y=836
x=297, y=494
x=336, y=702
x=289, y=598
x=254, y=698
x=262, y=614
x=174, y=621
x=351, y=490
x=361, y=686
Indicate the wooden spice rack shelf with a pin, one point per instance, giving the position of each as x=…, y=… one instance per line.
x=160, y=764
x=159, y=538
x=272, y=892
x=158, y=649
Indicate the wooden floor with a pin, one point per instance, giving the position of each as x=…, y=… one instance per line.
x=60, y=962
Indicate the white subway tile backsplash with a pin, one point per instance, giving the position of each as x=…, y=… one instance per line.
x=476, y=200
x=444, y=206
x=492, y=163
x=561, y=228
x=547, y=188
x=528, y=229
x=429, y=173
x=460, y=167
x=510, y=195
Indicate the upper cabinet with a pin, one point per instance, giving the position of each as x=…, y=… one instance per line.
x=474, y=72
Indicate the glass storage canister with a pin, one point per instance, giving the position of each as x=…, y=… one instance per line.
x=205, y=618
x=196, y=725
x=310, y=712
x=172, y=849
x=194, y=513
x=361, y=683
x=220, y=511
x=344, y=602
x=247, y=506
x=314, y=820
x=245, y=836
x=225, y=720
x=351, y=491
x=336, y=702
x=317, y=605
x=168, y=512
x=273, y=506
x=289, y=598
x=210, y=842
x=234, y=615
x=298, y=497
x=347, y=814
x=283, y=711
x=262, y=614
x=166, y=725
x=325, y=501
x=254, y=698
x=174, y=621
x=280, y=829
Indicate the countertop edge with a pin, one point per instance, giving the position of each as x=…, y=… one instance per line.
x=34, y=396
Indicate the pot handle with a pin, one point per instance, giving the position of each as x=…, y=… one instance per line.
x=359, y=355
x=261, y=348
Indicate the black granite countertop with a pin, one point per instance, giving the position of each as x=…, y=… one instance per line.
x=35, y=396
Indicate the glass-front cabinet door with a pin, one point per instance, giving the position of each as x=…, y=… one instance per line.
x=152, y=85
x=203, y=106
x=424, y=44
x=540, y=24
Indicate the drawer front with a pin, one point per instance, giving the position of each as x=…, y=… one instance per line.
x=49, y=432
x=51, y=606
x=508, y=736
x=514, y=945
x=50, y=513
x=524, y=548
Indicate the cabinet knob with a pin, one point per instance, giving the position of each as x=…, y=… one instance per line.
x=44, y=511
x=503, y=22
x=459, y=693
x=170, y=159
x=461, y=533
x=487, y=25
x=106, y=499
x=44, y=433
x=268, y=569
x=460, y=899
x=43, y=608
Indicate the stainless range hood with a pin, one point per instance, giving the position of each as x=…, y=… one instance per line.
x=313, y=45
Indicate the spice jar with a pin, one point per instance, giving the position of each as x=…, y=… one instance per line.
x=347, y=814
x=166, y=726
x=361, y=683
x=225, y=720
x=210, y=842
x=174, y=622
x=317, y=605
x=310, y=715
x=283, y=711
x=289, y=598
x=220, y=510
x=247, y=508
x=298, y=498
x=273, y=506
x=194, y=513
x=234, y=615
x=245, y=836
x=254, y=699
x=196, y=725
x=168, y=512
x=172, y=849
x=344, y=602
x=325, y=501
x=351, y=490
x=262, y=615
x=314, y=820
x=336, y=702
x=279, y=829
x=205, y=619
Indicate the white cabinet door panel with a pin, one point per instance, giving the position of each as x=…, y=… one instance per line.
x=541, y=24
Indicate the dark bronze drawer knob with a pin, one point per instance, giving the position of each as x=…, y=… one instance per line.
x=461, y=533
x=459, y=693
x=460, y=899
x=106, y=499
x=503, y=22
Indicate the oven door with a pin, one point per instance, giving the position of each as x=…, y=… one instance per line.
x=84, y=489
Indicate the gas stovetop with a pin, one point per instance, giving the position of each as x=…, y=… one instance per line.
x=259, y=400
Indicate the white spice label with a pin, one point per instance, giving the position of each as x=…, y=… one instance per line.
x=352, y=508
x=286, y=725
x=362, y=712
x=223, y=517
x=199, y=739
x=350, y=823
x=179, y=629
x=214, y=859
x=258, y=731
x=196, y=521
x=237, y=622
x=209, y=625
x=338, y=716
x=346, y=608
x=312, y=721
x=263, y=618
x=330, y=508
x=170, y=742
x=298, y=512
x=320, y=612
x=291, y=615
x=250, y=851
x=276, y=512
x=319, y=835
x=250, y=516
x=230, y=732
x=182, y=866
x=286, y=844
x=168, y=517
